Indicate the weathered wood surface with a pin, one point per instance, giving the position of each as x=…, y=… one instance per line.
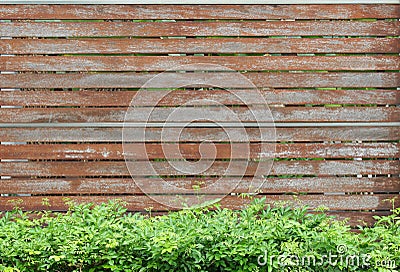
x=200, y=29
x=162, y=63
x=88, y=98
x=191, y=151
x=218, y=168
x=82, y=65
x=306, y=134
x=358, y=218
x=141, y=203
x=179, y=12
x=187, y=114
x=199, y=46
x=137, y=80
x=207, y=185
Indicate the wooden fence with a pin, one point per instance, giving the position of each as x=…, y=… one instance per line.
x=75, y=92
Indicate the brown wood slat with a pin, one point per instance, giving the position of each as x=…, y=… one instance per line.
x=353, y=218
x=199, y=134
x=162, y=63
x=285, y=114
x=191, y=151
x=135, y=80
x=192, y=45
x=208, y=185
x=141, y=169
x=141, y=203
x=178, y=97
x=158, y=29
x=179, y=12
x=357, y=218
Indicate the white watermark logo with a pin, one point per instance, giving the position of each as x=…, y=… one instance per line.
x=340, y=258
x=209, y=110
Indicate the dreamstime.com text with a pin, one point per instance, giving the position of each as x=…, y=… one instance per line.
x=340, y=258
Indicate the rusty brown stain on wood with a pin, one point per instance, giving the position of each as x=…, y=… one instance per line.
x=357, y=218
x=93, y=161
x=206, y=185
x=192, y=151
x=179, y=97
x=161, y=63
x=236, y=114
x=182, y=28
x=140, y=203
x=164, y=168
x=199, y=134
x=193, y=45
x=181, y=12
x=137, y=80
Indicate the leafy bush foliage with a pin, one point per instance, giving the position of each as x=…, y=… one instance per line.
x=106, y=238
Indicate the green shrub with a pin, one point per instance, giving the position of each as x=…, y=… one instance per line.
x=259, y=238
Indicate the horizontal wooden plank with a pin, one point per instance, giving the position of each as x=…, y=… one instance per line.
x=196, y=185
x=203, y=29
x=164, y=168
x=192, y=151
x=180, y=12
x=357, y=218
x=199, y=2
x=352, y=218
x=141, y=203
x=199, y=134
x=193, y=45
x=178, y=97
x=188, y=114
x=225, y=80
x=162, y=63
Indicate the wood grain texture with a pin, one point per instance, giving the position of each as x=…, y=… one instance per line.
x=194, y=45
x=226, y=80
x=200, y=134
x=181, y=12
x=314, y=166
x=87, y=98
x=162, y=63
x=201, y=29
x=218, y=168
x=196, y=185
x=189, y=114
x=141, y=203
x=192, y=151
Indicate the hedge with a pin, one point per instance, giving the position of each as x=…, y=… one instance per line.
x=259, y=238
